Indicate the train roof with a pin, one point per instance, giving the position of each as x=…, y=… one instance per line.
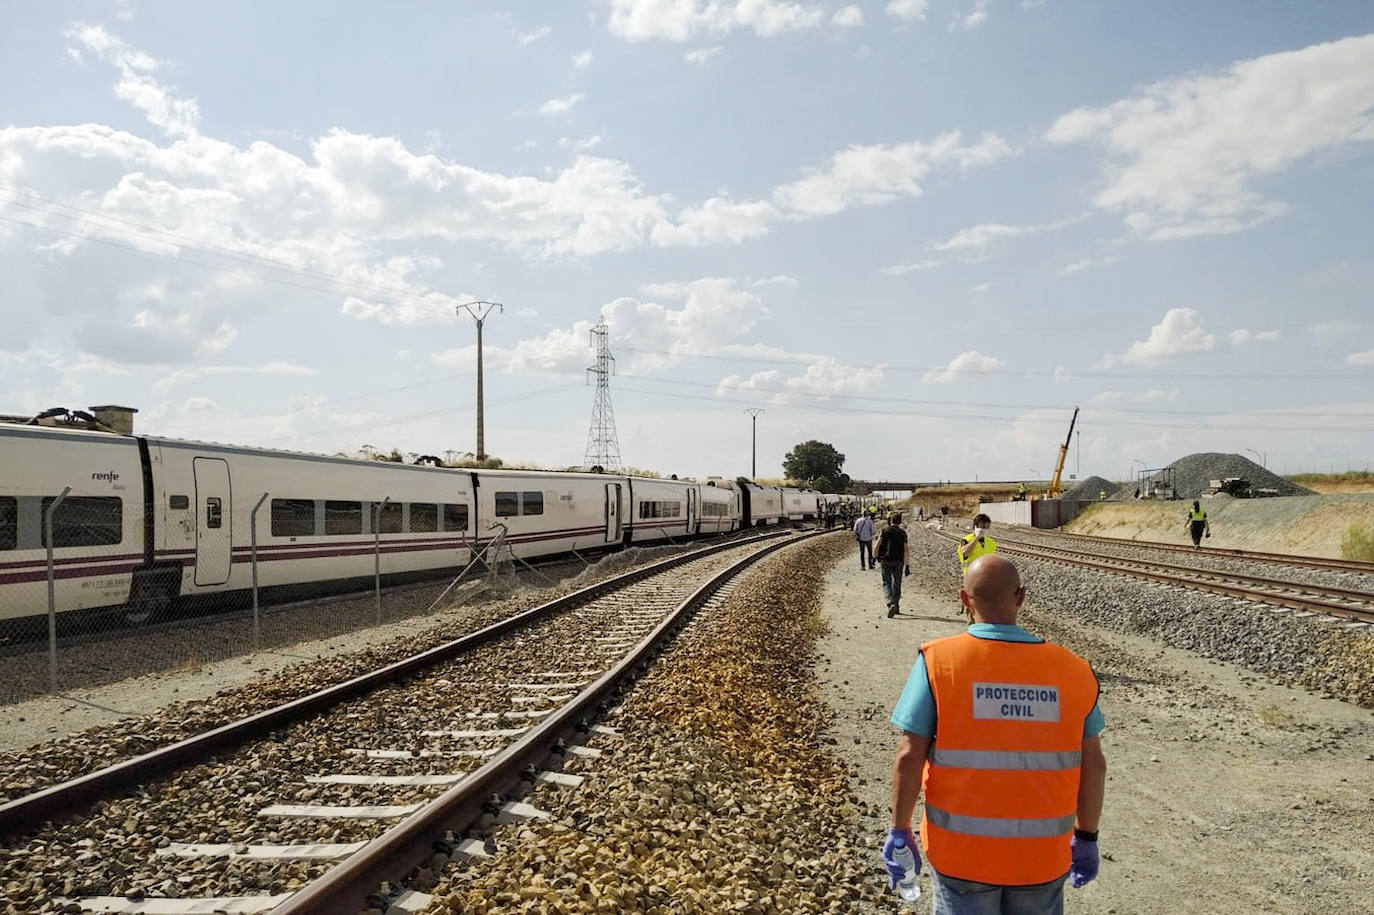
x=92, y=436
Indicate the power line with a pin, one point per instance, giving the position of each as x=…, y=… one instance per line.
x=1001, y=419
x=1015, y=373
x=975, y=403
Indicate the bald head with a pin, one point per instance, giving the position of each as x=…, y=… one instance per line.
x=992, y=590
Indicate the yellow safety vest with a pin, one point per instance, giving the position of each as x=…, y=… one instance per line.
x=987, y=546
x=1199, y=515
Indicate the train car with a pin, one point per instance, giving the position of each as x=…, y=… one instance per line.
x=549, y=513
x=97, y=531
x=760, y=505
x=720, y=508
x=662, y=510
x=320, y=518
x=150, y=521
x=800, y=504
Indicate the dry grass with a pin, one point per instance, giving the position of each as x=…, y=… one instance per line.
x=1350, y=481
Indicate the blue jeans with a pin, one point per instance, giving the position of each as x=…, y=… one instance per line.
x=865, y=546
x=952, y=896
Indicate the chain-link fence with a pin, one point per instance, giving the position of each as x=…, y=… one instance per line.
x=93, y=591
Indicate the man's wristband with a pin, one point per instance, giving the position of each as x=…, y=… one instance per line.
x=1084, y=836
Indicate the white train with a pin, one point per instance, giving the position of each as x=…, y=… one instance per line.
x=152, y=521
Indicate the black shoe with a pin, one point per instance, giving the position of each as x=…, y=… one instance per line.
x=891, y=611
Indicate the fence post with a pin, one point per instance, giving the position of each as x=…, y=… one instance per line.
x=253, y=534
x=52, y=590
x=377, y=553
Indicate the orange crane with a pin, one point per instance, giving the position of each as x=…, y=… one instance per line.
x=1057, y=490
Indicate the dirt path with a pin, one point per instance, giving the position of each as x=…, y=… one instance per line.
x=1225, y=793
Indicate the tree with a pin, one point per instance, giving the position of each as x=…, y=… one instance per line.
x=817, y=464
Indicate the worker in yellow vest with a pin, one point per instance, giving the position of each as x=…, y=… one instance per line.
x=1001, y=733
x=978, y=543
x=1197, y=524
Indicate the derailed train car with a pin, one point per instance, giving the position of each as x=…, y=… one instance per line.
x=151, y=521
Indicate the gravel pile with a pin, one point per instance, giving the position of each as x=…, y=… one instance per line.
x=1089, y=489
x=721, y=795
x=1304, y=651
x=1195, y=473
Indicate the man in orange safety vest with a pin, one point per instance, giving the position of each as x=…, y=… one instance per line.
x=1012, y=768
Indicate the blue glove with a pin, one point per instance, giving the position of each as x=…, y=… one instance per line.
x=1084, y=866
x=895, y=871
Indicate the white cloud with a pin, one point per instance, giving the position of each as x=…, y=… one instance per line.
x=1080, y=265
x=527, y=146
x=782, y=279
x=1330, y=331
x=700, y=56
x=961, y=366
x=982, y=287
x=1179, y=333
x=1242, y=336
x=1364, y=358
x=176, y=117
x=1184, y=153
x=848, y=17
x=1151, y=395
x=974, y=18
x=581, y=145
x=904, y=269
x=527, y=38
x=557, y=106
x=682, y=20
x=908, y=10
x=582, y=59
x=645, y=336
x=976, y=240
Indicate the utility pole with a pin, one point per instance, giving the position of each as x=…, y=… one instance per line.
x=603, y=445
x=478, y=311
x=754, y=450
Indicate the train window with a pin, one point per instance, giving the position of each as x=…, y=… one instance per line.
x=424, y=517
x=179, y=502
x=389, y=518
x=214, y=512
x=85, y=521
x=507, y=504
x=531, y=503
x=660, y=509
x=9, y=523
x=293, y=517
x=455, y=517
x=343, y=517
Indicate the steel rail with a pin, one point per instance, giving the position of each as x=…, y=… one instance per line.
x=392, y=856
x=1124, y=566
x=1346, y=594
x=1312, y=562
x=66, y=798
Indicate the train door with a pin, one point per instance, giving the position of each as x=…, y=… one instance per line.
x=612, y=512
x=214, y=526
x=692, y=510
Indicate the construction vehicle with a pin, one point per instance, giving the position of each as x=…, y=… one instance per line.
x=1231, y=486
x=1056, y=490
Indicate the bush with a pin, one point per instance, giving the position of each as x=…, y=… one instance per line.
x=1358, y=543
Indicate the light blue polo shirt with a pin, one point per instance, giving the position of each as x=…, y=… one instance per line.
x=915, y=711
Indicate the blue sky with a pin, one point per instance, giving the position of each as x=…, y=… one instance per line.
x=920, y=230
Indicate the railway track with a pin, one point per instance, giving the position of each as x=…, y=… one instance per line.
x=1310, y=562
x=314, y=805
x=1300, y=596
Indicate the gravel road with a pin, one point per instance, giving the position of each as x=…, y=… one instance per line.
x=1227, y=792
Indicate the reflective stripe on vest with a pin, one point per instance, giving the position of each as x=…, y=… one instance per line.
x=993, y=827
x=1005, y=759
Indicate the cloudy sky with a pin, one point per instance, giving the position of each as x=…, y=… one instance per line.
x=921, y=230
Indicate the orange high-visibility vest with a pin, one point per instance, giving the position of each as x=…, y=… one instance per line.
x=1001, y=777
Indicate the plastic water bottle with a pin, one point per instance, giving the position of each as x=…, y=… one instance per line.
x=906, y=887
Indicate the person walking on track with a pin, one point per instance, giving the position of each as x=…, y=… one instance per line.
x=1197, y=524
x=1000, y=731
x=863, y=532
x=978, y=543
x=894, y=553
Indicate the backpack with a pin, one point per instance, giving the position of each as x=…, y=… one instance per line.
x=891, y=544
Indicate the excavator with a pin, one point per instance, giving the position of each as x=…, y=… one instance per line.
x=1056, y=490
